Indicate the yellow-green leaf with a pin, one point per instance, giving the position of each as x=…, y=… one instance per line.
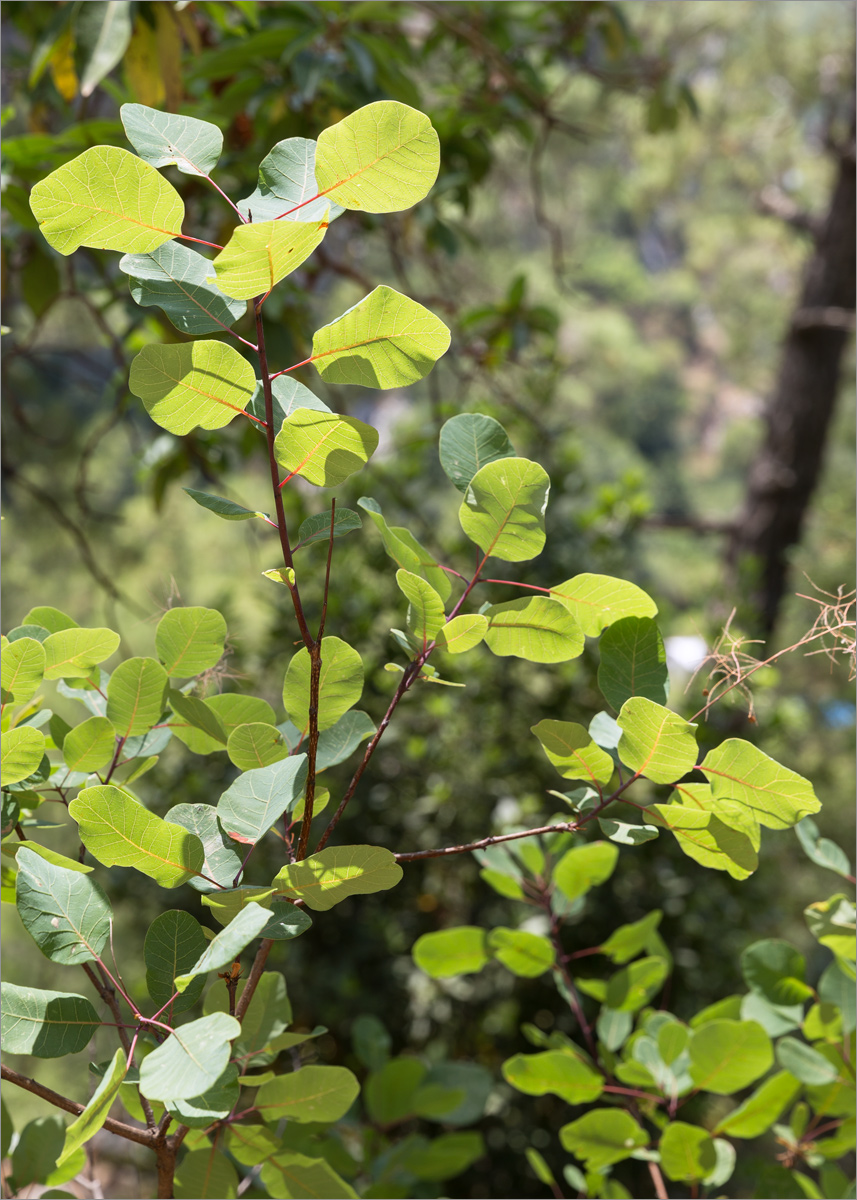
x=197, y=383
x=324, y=448
x=258, y=256
x=573, y=752
x=72, y=653
x=332, y=875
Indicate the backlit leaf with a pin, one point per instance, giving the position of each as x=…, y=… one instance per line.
x=223, y=949
x=65, y=912
x=726, y=1056
x=136, y=696
x=459, y=951
x=602, y=1137
x=119, y=831
x=687, y=1152
x=22, y=750
x=258, y=256
x=759, y=1111
x=174, y=942
x=45, y=1024
x=190, y=640
x=191, y=1060
x=258, y=798
x=312, y=1094
x=584, y=867
x=633, y=986
x=198, y=714
x=255, y=745
x=425, y=612
x=196, y=383
x=89, y=745
x=166, y=139
x=72, y=653
x=627, y=941
x=23, y=668
x=778, y=796
x=655, y=742
x=406, y=551
x=521, y=952
x=317, y=528
x=468, y=442
x=97, y=1109
x=107, y=198
x=341, y=684
x=822, y=851
x=228, y=509
x=707, y=839
x=324, y=448
x=385, y=341
x=382, y=158
x=536, y=629
x=633, y=662
x=176, y=279
x=573, y=752
x=503, y=510
x=596, y=601
x=49, y=618
x=462, y=633
x=559, y=1072
x=326, y=878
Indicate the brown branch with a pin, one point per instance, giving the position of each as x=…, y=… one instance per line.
x=144, y=1136
x=830, y=317
x=415, y=855
x=253, y=978
x=658, y=1181
x=773, y=202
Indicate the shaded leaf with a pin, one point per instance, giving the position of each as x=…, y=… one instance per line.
x=166, y=139
x=228, y=509
x=255, y=745
x=759, y=1111
x=287, y=1174
x=404, y=549
x=206, y=1173
x=174, y=942
x=425, y=612
x=523, y=953
x=65, y=912
x=311, y=1094
x=804, y=1063
x=287, y=187
x=258, y=798
x=341, y=740
x=776, y=971
x=190, y=640
x=317, y=528
x=223, y=949
x=105, y=28
x=191, y=1060
x=176, y=279
x=822, y=851
x=633, y=662
x=46, y=1024
x=443, y=1156
x=97, y=1109
x=573, y=752
x=468, y=442
x=287, y=396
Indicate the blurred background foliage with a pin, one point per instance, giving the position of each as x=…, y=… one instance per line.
x=615, y=241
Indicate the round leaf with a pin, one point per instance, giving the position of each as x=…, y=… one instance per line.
x=166, y=139
x=559, y=1072
x=311, y=1094
x=23, y=668
x=323, y=448
x=536, y=629
x=258, y=798
x=341, y=684
x=468, y=442
x=573, y=752
x=603, y=1137
x=287, y=187
x=596, y=601
x=174, y=942
x=191, y=1060
x=726, y=1056
x=633, y=662
x=503, y=510
x=176, y=279
x=255, y=745
x=779, y=797
x=190, y=640
x=583, y=867
x=72, y=653
x=459, y=951
x=65, y=912
x=136, y=695
x=196, y=383
x=45, y=1024
x=258, y=256
x=22, y=751
x=656, y=742
x=462, y=633
x=687, y=1152
x=334, y=874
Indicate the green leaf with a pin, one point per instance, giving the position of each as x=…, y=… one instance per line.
x=287, y=186
x=190, y=640
x=633, y=986
x=536, y=629
x=95, y=1114
x=177, y=279
x=655, y=742
x=776, y=971
x=627, y=941
x=522, y=953
x=583, y=867
x=49, y=618
x=385, y=341
x=468, y=442
x=287, y=1174
x=596, y=601
x=309, y=1095
x=759, y=1111
x=227, y=509
x=332, y=875
x=425, y=614
x=390, y=1091
x=118, y=831
x=231, y=711
x=342, y=739
x=72, y=653
x=136, y=696
x=258, y=256
x=626, y=835
x=268, y=1015
x=39, y=1146
x=633, y=662
x=191, y=1060
x=444, y=1156
x=23, y=668
x=223, y=949
x=196, y=383
x=706, y=839
x=89, y=745
x=687, y=1152
x=404, y=549
x=779, y=797
x=340, y=686
x=46, y=1024
x=109, y=199
x=775, y=1019
x=459, y=951
x=255, y=745
x=105, y=29
x=51, y=856
x=227, y=904
x=22, y=751
x=503, y=510
x=573, y=752
x=462, y=633
x=603, y=1137
x=174, y=942
x=382, y=158
x=6, y=1129
x=65, y=912
x=699, y=797
x=371, y=1042
x=836, y=987
x=317, y=528
x=832, y=923
x=198, y=714
x=206, y=1173
x=804, y=1063
x=258, y=798
x=324, y=448
x=822, y=851
x=559, y=1072
x=287, y=396
x=214, y=1104
x=726, y=1056
x=166, y=139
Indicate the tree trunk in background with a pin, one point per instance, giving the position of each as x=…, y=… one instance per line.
x=787, y=468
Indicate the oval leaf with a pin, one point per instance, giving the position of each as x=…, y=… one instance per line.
x=190, y=640
x=166, y=139
x=523, y=953
x=196, y=383
x=778, y=797
x=323, y=448
x=228, y=509
x=89, y=745
x=462, y=633
x=596, y=601
x=633, y=662
x=287, y=187
x=583, y=867
x=176, y=279
x=222, y=861
x=340, y=687
x=174, y=942
x=468, y=442
x=536, y=629
x=317, y=528
x=603, y=1137
x=223, y=949
x=258, y=798
x=556, y=1071
x=425, y=612
x=23, y=668
x=255, y=745
x=191, y=1059
x=258, y=256
x=726, y=1056
x=504, y=509
x=459, y=951
x=385, y=341
x=382, y=158
x=46, y=1024
x=326, y=878
x=311, y=1094
x=22, y=751
x=109, y=199
x=65, y=912
x=136, y=696
x=573, y=752
x=72, y=653
x=656, y=742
